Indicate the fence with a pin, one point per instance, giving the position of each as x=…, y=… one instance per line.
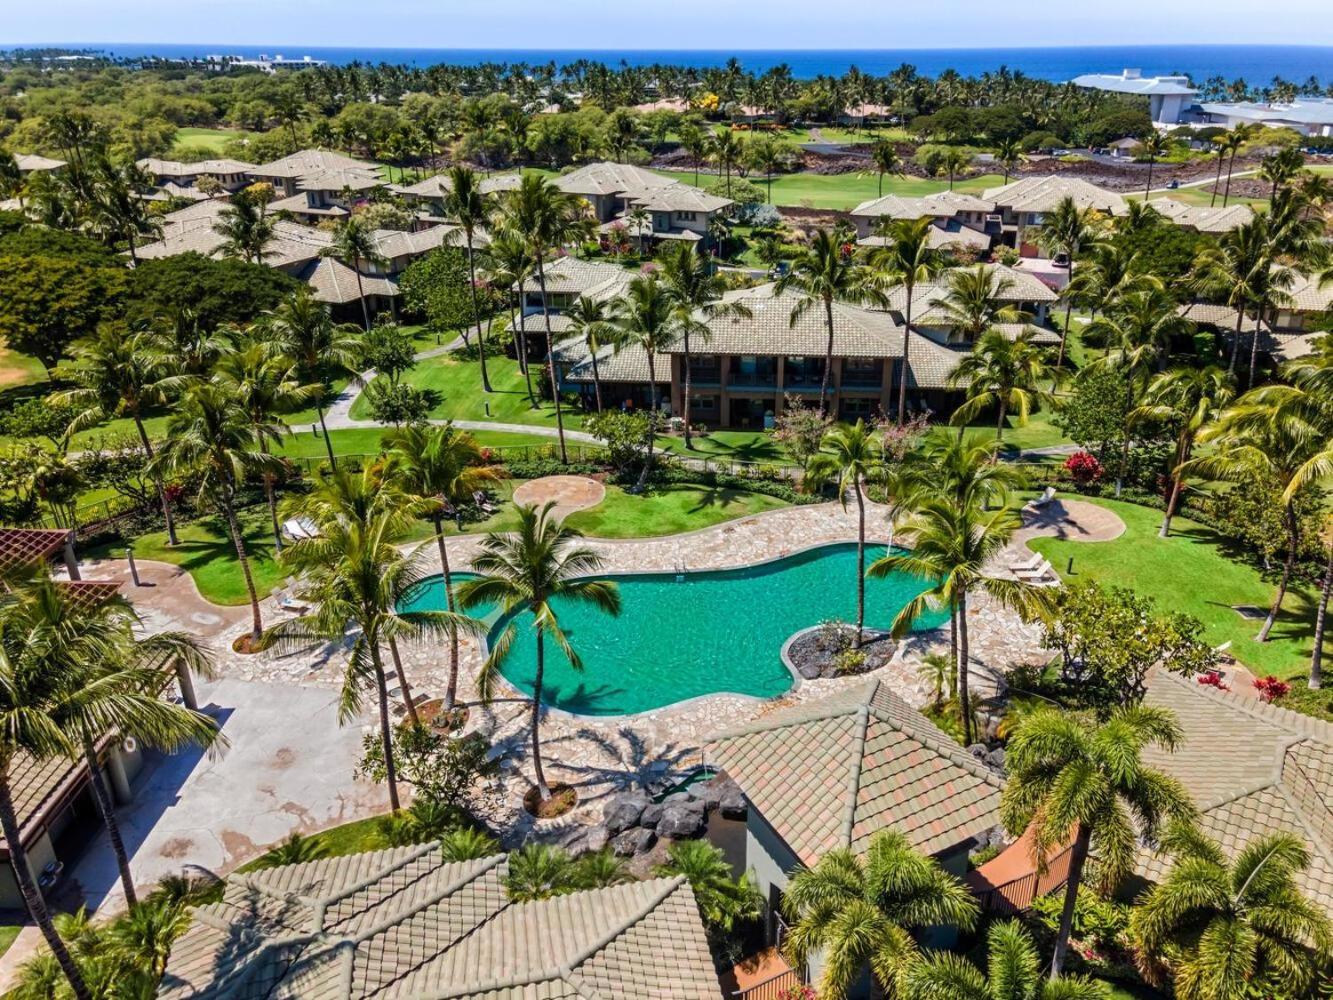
x=1016, y=896
x=771, y=988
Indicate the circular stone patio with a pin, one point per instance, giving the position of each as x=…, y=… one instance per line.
x=570, y=493
x=1072, y=520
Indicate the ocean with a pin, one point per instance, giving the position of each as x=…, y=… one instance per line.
x=1257, y=64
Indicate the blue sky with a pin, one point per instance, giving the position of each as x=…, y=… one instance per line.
x=668, y=23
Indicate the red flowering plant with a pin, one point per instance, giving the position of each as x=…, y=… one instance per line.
x=799, y=993
x=1211, y=678
x=1271, y=688
x=1083, y=468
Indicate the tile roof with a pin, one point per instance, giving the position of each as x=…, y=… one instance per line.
x=1307, y=296
x=310, y=161
x=1042, y=194
x=1202, y=218
x=435, y=186
x=575, y=276
x=943, y=203
x=28, y=162
x=680, y=198
x=1253, y=769
x=341, y=178
x=611, y=178
x=941, y=238
x=927, y=298
x=834, y=772
x=299, y=204
x=176, y=168
x=629, y=364
x=404, y=923
x=334, y=282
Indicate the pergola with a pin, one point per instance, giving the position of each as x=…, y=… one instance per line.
x=24, y=547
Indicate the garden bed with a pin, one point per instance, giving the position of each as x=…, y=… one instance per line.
x=827, y=650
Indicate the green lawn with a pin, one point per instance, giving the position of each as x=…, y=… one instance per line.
x=8, y=932
x=19, y=369
x=367, y=441
x=846, y=191
x=207, y=138
x=736, y=446
x=667, y=510
x=1193, y=572
x=356, y=837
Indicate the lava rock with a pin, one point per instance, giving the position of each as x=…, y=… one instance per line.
x=995, y=760
x=681, y=820
x=652, y=815
x=624, y=811
x=633, y=842
x=734, y=805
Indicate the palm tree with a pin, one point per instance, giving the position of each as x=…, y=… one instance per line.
x=1013, y=972
x=1189, y=399
x=354, y=574
x=121, y=372
x=767, y=156
x=118, y=209
x=1238, y=271
x=696, y=289
x=850, y=454
x=1281, y=168
x=590, y=324
x=1226, y=145
x=951, y=545
x=646, y=318
x=955, y=161
x=354, y=244
x=445, y=465
x=263, y=381
x=1239, y=136
x=860, y=911
x=1232, y=930
x=884, y=155
x=726, y=150
x=724, y=900
x=304, y=330
x=822, y=275
x=246, y=228
x=510, y=267
x=1068, y=779
x=1002, y=372
x=544, y=218
x=467, y=205
x=467, y=844
x=906, y=260
x=975, y=302
x=1154, y=145
x=212, y=440
x=114, y=676
x=1008, y=153
x=529, y=570
x=540, y=871
x=641, y=222
x=1066, y=231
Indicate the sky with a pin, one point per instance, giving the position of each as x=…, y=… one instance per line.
x=659, y=24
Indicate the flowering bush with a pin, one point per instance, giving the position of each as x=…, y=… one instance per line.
x=799, y=993
x=1271, y=688
x=1212, y=678
x=1083, y=468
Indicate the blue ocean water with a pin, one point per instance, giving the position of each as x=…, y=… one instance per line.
x=1257, y=64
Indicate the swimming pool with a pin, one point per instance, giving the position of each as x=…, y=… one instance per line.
x=698, y=633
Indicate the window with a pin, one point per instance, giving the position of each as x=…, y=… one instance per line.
x=687, y=216
x=703, y=403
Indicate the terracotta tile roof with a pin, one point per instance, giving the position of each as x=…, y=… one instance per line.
x=1253, y=769
x=405, y=923
x=832, y=773
x=575, y=276
x=1042, y=194
x=21, y=547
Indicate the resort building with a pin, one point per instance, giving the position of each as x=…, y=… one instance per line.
x=231, y=174
x=427, y=195
x=832, y=773
x=1203, y=219
x=569, y=278
x=1024, y=292
x=31, y=163
x=676, y=210
x=1307, y=115
x=1254, y=770
x=1024, y=204
x=957, y=219
x=407, y=923
x=314, y=170
x=1169, y=97
x=1290, y=329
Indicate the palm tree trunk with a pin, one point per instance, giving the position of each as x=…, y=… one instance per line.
x=386, y=732
x=523, y=355
x=685, y=339
x=1293, y=542
x=860, y=563
x=1077, y=858
x=272, y=500
x=953, y=649
x=543, y=792
x=476, y=314
x=234, y=526
x=107, y=810
x=328, y=443
x=902, y=375
x=550, y=362
x=964, y=695
x=32, y=897
x=1231, y=165
x=1221, y=155
x=1254, y=345
x=1320, y=618
x=1064, y=334
x=596, y=382
x=881, y=184
x=652, y=422
x=999, y=423
x=365, y=309
x=828, y=358
x=1177, y=484
x=403, y=685
x=1124, y=444
x=1235, y=341
x=157, y=481
x=1152, y=161
x=451, y=691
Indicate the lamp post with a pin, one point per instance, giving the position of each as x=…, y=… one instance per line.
x=134, y=569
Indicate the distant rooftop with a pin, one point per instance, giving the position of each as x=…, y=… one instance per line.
x=1310, y=110
x=1132, y=81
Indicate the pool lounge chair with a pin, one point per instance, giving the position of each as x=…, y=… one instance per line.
x=1047, y=495
x=1041, y=571
x=484, y=502
x=1027, y=564
x=299, y=528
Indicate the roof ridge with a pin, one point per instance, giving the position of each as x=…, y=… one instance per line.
x=855, y=767
x=321, y=903
x=1297, y=723
x=407, y=912
x=937, y=740
x=770, y=725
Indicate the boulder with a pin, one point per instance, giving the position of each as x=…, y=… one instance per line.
x=585, y=839
x=681, y=798
x=734, y=805
x=623, y=811
x=633, y=841
x=652, y=815
x=681, y=820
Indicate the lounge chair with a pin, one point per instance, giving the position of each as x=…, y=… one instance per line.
x=484, y=502
x=299, y=528
x=1047, y=495
x=293, y=604
x=1028, y=564
x=1036, y=573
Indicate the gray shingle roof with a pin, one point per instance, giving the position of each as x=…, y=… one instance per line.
x=405, y=923
x=575, y=276
x=310, y=161
x=611, y=178
x=1202, y=218
x=1253, y=769
x=944, y=203
x=832, y=773
x=1042, y=194
x=29, y=162
x=334, y=282
x=926, y=298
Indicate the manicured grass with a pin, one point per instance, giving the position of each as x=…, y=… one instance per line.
x=846, y=191
x=1194, y=572
x=736, y=446
x=667, y=510
x=8, y=933
x=369, y=441
x=209, y=138
x=356, y=837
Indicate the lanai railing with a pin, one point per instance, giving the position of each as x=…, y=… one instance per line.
x=1007, y=884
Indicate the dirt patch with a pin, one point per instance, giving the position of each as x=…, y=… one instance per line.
x=177, y=847
x=284, y=758
x=237, y=846
x=563, y=799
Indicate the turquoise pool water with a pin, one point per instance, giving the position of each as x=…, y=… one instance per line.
x=706, y=633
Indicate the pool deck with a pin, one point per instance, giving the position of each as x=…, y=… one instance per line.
x=601, y=755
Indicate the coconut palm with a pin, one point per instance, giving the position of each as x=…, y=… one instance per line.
x=354, y=244
x=646, y=317
x=1068, y=779
x=1013, y=972
x=951, y=545
x=1067, y=230
x=1009, y=154
x=590, y=324
x=850, y=454
x=1236, y=271
x=822, y=275
x=1240, y=135
x=119, y=210
x=975, y=302
x=1231, y=929
x=264, y=382
x=884, y=155
x=353, y=574
x=323, y=350
x=726, y=150
x=1001, y=372
x=470, y=208
x=955, y=162
x=121, y=372
x=544, y=218
x=446, y=465
x=245, y=228
x=697, y=291
x=510, y=267
x=1226, y=145
x=1154, y=145
x=724, y=900
x=1188, y=399
x=860, y=910
x=1281, y=168
x=905, y=261
x=212, y=440
x=640, y=221
x=529, y=570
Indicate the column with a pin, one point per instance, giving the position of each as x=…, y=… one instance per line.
x=723, y=392
x=186, y=684
x=71, y=561
x=678, y=386
x=779, y=380
x=115, y=771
